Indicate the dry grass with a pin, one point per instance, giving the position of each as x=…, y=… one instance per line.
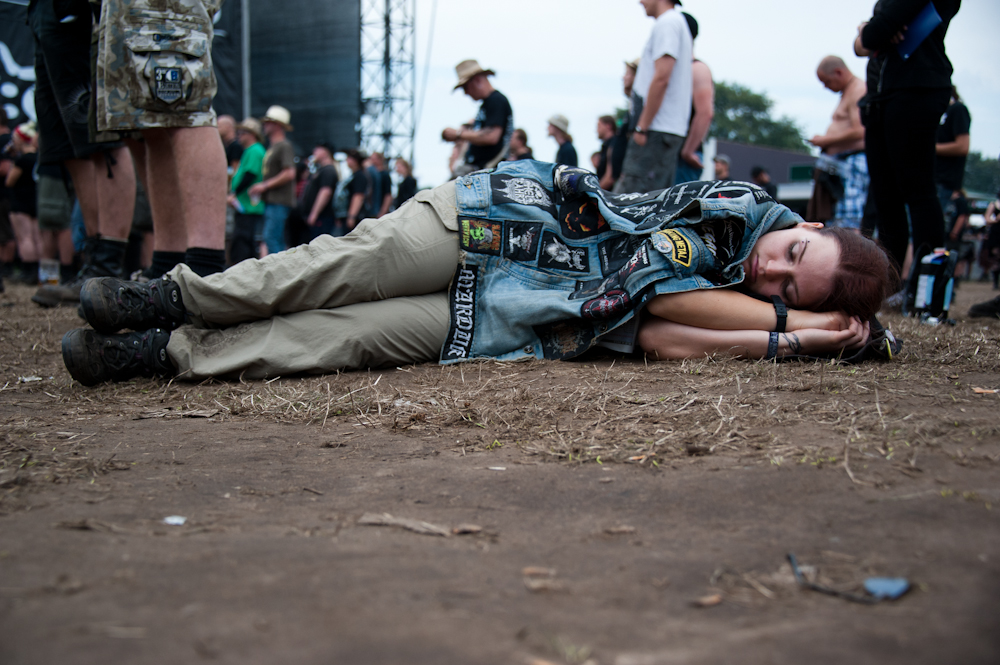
x=873, y=420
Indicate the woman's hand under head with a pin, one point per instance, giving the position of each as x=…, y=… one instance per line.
x=851, y=338
x=667, y=340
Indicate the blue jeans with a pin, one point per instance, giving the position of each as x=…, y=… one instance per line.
x=686, y=172
x=274, y=227
x=327, y=226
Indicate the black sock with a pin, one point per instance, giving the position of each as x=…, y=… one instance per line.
x=205, y=261
x=165, y=261
x=30, y=274
x=67, y=273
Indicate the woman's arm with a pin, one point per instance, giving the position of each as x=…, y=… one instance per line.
x=722, y=309
x=666, y=340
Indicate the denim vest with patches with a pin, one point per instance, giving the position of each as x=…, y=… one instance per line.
x=550, y=262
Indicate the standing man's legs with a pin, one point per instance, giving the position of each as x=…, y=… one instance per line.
x=102, y=174
x=186, y=179
x=652, y=166
x=167, y=96
x=275, y=216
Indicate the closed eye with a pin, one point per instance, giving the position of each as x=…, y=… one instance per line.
x=786, y=292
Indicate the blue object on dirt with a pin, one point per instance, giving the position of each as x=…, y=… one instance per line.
x=887, y=587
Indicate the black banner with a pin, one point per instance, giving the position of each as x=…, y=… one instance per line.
x=227, y=59
x=17, y=63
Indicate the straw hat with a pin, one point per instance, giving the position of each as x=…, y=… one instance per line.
x=279, y=115
x=560, y=122
x=252, y=125
x=467, y=69
x=634, y=65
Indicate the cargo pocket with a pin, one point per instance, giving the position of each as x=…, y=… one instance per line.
x=172, y=65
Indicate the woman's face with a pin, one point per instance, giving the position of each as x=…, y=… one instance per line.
x=798, y=264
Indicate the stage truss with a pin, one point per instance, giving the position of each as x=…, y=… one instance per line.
x=388, y=77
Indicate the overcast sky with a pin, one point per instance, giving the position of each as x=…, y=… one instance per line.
x=561, y=56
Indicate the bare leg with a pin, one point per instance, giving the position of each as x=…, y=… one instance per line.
x=50, y=246
x=29, y=242
x=64, y=243
x=186, y=173
x=107, y=203
x=81, y=171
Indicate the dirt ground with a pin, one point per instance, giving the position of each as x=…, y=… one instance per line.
x=602, y=511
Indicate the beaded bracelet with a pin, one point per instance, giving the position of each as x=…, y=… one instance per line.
x=772, y=346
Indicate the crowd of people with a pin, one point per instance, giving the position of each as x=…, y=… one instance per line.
x=897, y=177
x=375, y=271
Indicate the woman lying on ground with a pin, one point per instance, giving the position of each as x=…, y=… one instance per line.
x=528, y=261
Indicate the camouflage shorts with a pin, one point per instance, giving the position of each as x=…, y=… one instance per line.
x=154, y=64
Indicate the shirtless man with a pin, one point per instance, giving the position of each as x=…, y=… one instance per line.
x=843, y=145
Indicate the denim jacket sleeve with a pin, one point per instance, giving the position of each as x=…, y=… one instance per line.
x=550, y=262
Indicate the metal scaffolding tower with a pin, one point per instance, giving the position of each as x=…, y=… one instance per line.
x=388, y=77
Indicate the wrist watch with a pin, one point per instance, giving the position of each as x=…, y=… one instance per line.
x=639, y=130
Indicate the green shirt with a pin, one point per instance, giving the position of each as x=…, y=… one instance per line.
x=251, y=162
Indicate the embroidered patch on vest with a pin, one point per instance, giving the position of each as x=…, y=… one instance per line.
x=679, y=244
x=462, y=302
x=481, y=235
x=612, y=304
x=559, y=256
x=167, y=84
x=564, y=339
x=637, y=261
x=616, y=251
x=524, y=191
x=522, y=240
x=581, y=219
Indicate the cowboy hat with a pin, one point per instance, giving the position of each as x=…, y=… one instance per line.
x=468, y=69
x=252, y=125
x=279, y=115
x=560, y=122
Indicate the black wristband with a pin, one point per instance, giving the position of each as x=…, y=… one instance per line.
x=772, y=346
x=782, y=313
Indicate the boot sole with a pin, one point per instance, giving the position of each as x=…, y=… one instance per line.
x=76, y=352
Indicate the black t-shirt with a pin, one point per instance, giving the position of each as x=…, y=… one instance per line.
x=566, y=154
x=407, y=188
x=602, y=165
x=385, y=186
x=23, y=195
x=325, y=176
x=618, y=150
x=360, y=184
x=494, y=112
x=950, y=171
x=234, y=152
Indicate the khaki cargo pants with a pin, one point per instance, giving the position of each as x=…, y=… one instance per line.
x=376, y=297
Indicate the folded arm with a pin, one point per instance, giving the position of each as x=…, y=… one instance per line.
x=666, y=340
x=722, y=309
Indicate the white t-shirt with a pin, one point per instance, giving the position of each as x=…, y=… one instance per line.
x=672, y=37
